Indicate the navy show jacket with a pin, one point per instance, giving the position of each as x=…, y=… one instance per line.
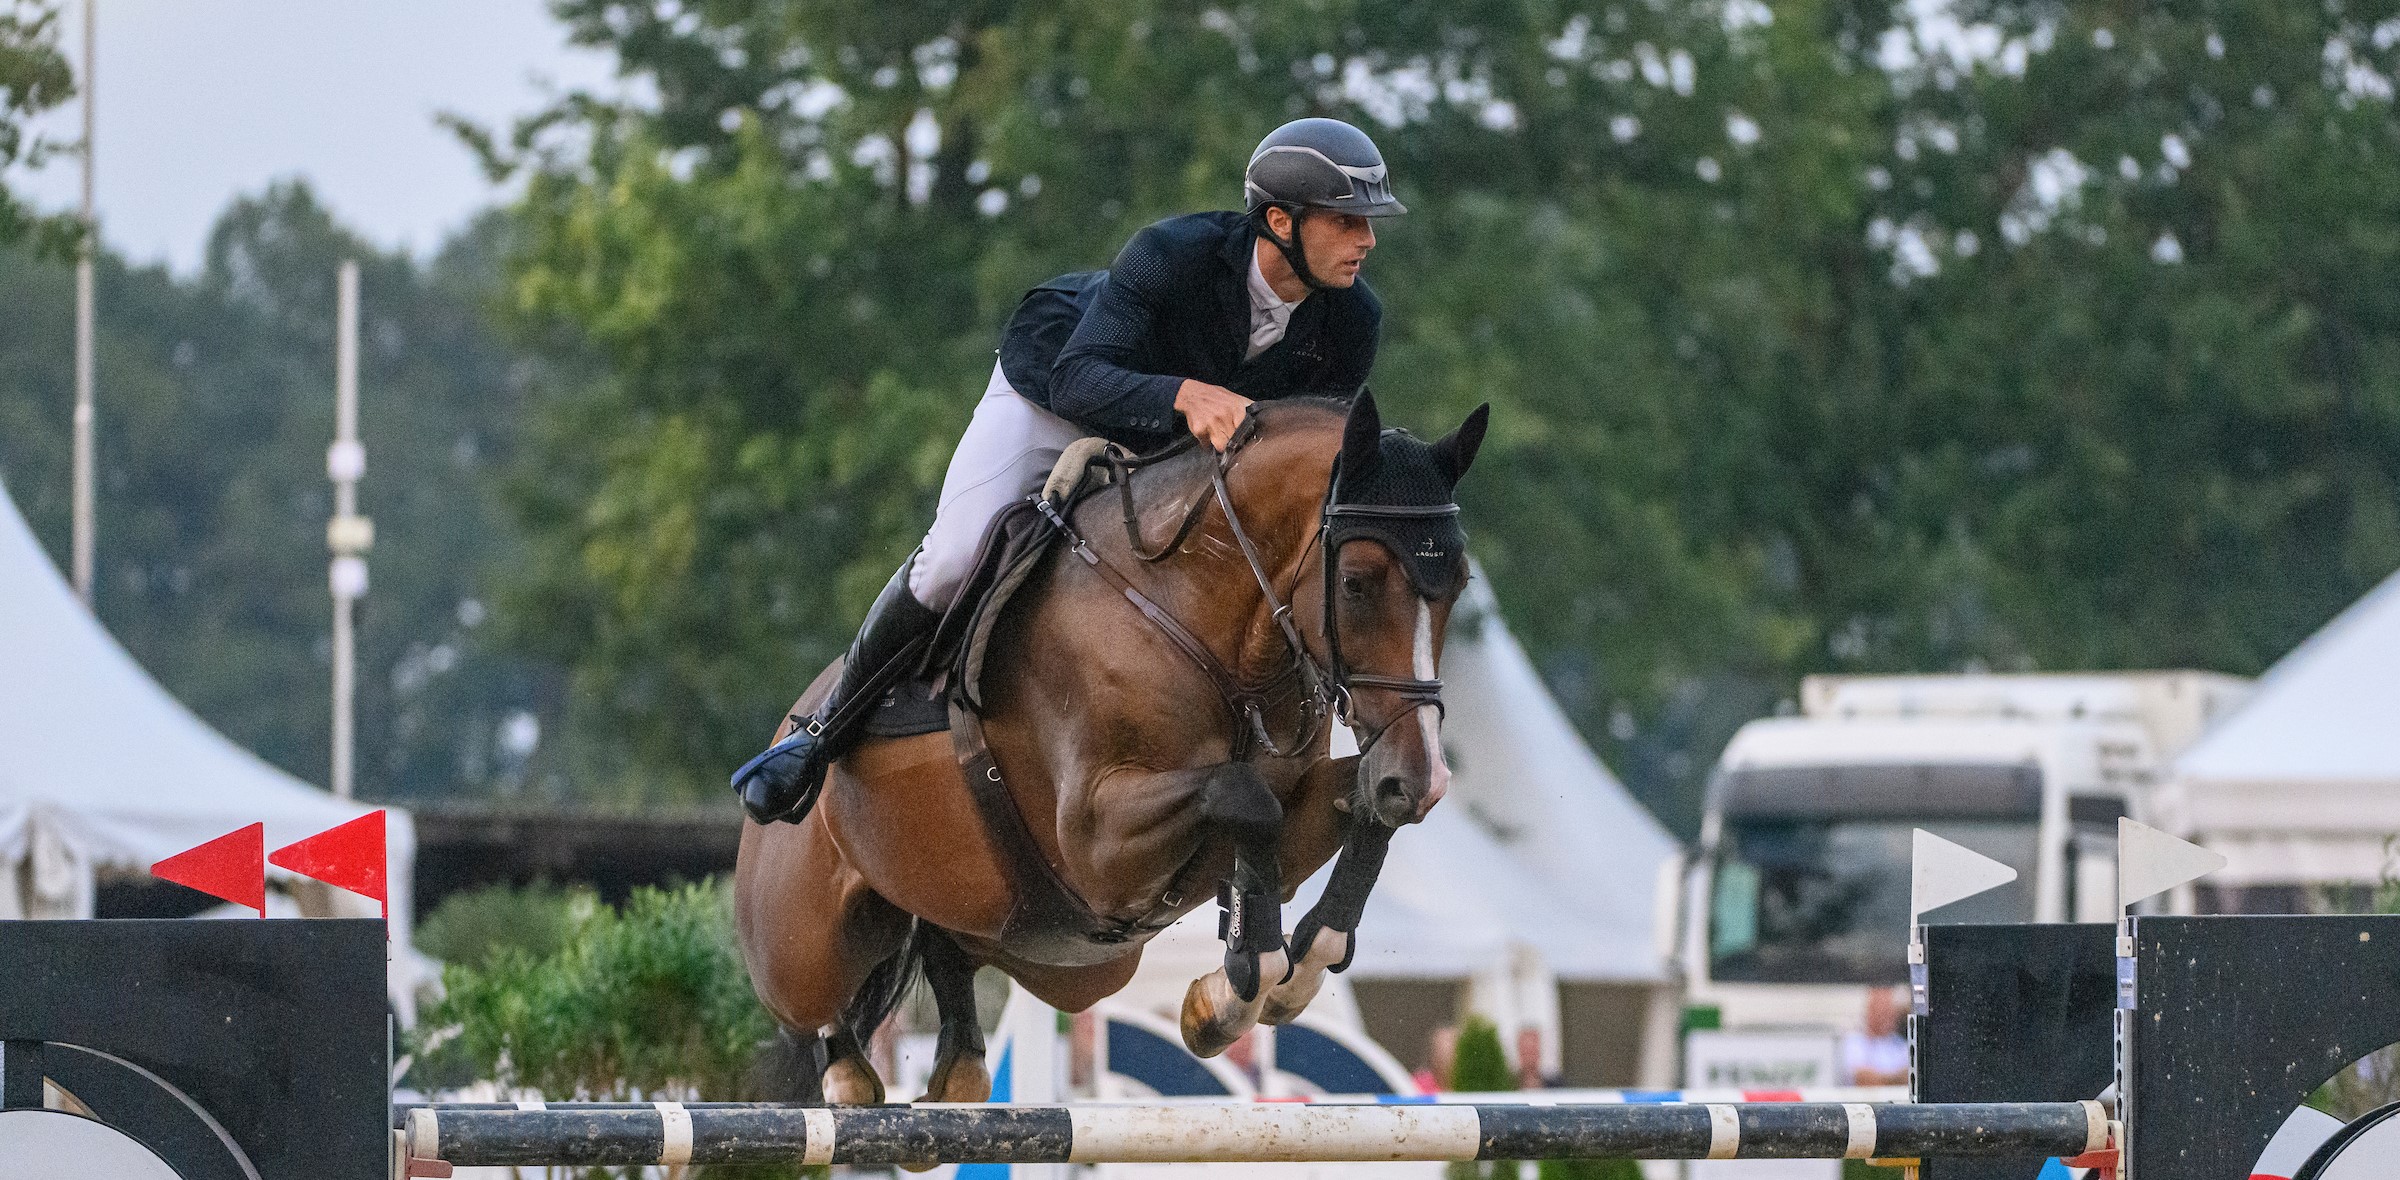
x=1106, y=350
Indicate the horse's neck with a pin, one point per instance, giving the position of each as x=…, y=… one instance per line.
x=1276, y=483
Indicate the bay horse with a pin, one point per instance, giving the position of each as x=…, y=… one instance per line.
x=1156, y=713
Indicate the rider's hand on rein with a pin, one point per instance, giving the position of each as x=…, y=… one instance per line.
x=1212, y=412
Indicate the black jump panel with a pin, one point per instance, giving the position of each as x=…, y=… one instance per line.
x=213, y=1041
x=2233, y=1021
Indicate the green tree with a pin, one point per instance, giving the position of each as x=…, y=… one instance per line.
x=33, y=78
x=1823, y=337
x=216, y=408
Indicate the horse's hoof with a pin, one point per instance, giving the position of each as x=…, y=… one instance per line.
x=1215, y=1015
x=1285, y=1004
x=1207, y=1030
x=965, y=1080
x=1286, y=1000
x=851, y=1082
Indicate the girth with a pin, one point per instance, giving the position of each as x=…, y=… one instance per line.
x=1048, y=922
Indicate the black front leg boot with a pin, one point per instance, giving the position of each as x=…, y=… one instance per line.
x=782, y=782
x=1250, y=923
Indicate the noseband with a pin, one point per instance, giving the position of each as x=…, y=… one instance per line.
x=1330, y=686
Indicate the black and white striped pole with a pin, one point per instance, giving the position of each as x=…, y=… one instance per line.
x=673, y=1134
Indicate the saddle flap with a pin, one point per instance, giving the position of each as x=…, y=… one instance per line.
x=1021, y=537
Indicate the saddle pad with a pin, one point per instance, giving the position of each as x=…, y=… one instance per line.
x=1023, y=536
x=1012, y=549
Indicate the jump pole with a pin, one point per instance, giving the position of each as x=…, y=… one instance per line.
x=672, y=1133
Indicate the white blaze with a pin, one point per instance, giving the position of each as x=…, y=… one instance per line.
x=1429, y=718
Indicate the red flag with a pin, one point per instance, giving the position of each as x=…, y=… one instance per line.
x=232, y=866
x=350, y=856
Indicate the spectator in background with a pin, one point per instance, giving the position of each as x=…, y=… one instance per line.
x=1441, y=1060
x=1529, y=1061
x=1877, y=1055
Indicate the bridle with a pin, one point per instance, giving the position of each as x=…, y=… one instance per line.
x=1343, y=679
x=1330, y=687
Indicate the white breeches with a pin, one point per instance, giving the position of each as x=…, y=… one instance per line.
x=1004, y=456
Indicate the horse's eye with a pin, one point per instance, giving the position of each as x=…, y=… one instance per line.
x=1353, y=587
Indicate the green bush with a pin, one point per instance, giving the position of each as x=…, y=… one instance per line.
x=582, y=1002
x=468, y=928
x=1481, y=1066
x=652, y=1000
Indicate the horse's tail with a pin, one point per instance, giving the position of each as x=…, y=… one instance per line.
x=886, y=985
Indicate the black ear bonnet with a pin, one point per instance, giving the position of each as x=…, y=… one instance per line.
x=1401, y=496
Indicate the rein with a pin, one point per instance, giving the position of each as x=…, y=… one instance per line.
x=1328, y=686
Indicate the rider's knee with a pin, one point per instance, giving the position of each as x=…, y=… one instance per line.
x=935, y=576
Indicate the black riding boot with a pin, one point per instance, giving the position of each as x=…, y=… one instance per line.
x=783, y=781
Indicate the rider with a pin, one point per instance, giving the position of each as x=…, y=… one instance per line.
x=1199, y=316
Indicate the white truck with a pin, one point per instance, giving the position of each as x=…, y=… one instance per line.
x=1795, y=912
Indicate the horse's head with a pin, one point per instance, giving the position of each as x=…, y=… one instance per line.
x=1395, y=562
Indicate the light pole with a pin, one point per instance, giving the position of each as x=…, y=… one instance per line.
x=86, y=450
x=348, y=534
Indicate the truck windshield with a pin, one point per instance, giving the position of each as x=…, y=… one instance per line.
x=1825, y=899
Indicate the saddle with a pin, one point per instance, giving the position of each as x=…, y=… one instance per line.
x=1048, y=922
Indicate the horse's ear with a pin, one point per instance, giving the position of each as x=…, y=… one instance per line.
x=1455, y=451
x=1362, y=437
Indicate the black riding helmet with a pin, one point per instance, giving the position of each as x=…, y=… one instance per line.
x=1315, y=164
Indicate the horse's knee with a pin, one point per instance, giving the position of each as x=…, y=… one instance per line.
x=1238, y=802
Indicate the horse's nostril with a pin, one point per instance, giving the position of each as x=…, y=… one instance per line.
x=1390, y=788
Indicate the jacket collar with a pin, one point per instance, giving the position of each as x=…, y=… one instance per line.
x=1239, y=246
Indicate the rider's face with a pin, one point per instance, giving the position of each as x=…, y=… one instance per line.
x=1336, y=245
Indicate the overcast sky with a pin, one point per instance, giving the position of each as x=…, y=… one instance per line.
x=202, y=100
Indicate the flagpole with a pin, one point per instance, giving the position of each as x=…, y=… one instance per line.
x=86, y=449
x=348, y=534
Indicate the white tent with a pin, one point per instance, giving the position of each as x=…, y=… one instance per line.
x=102, y=770
x=1526, y=778
x=2302, y=785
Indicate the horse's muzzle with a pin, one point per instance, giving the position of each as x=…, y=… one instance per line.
x=1392, y=803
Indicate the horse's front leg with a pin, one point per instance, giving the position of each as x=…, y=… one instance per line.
x=1326, y=939
x=1222, y=1005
